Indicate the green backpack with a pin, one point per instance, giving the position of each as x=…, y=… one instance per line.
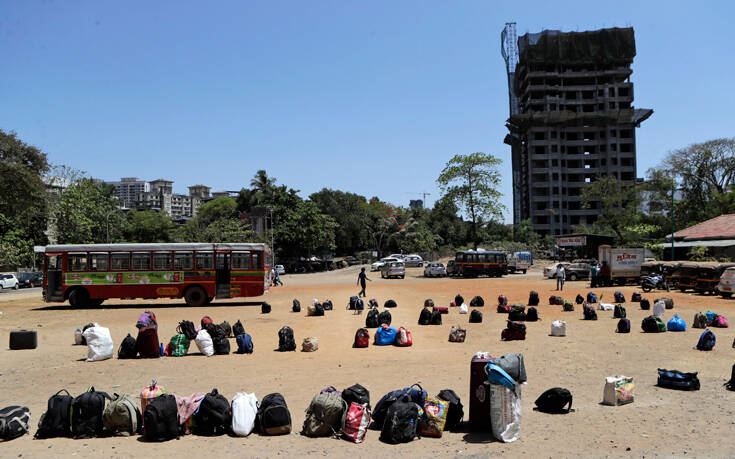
x=325, y=415
x=121, y=416
x=179, y=345
x=568, y=306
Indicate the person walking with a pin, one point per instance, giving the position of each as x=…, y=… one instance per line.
x=561, y=276
x=278, y=279
x=361, y=278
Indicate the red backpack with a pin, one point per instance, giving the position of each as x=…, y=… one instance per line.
x=404, y=337
x=502, y=300
x=362, y=338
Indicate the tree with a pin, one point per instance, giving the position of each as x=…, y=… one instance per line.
x=304, y=230
x=148, y=226
x=351, y=215
x=471, y=182
x=216, y=221
x=85, y=211
x=446, y=224
x=618, y=206
x=262, y=185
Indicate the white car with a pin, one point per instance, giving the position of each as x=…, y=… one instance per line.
x=280, y=269
x=379, y=264
x=550, y=271
x=726, y=287
x=414, y=261
x=9, y=281
x=435, y=269
x=398, y=256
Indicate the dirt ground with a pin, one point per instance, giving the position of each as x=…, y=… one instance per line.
x=659, y=423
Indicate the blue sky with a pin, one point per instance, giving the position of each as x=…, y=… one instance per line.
x=370, y=97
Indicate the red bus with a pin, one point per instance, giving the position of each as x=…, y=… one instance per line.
x=473, y=263
x=88, y=274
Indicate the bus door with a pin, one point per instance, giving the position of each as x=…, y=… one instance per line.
x=54, y=285
x=223, y=275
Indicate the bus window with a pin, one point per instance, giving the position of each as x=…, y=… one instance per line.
x=460, y=257
x=161, y=261
x=205, y=260
x=141, y=261
x=53, y=262
x=98, y=261
x=257, y=264
x=240, y=260
x=183, y=260
x=120, y=261
x=77, y=261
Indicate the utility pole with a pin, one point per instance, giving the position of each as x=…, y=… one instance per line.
x=673, y=191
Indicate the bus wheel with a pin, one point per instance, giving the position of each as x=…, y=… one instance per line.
x=79, y=297
x=195, y=296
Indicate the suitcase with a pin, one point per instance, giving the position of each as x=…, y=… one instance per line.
x=441, y=309
x=23, y=339
x=479, y=395
x=147, y=342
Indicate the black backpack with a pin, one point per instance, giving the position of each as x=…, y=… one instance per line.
x=436, y=318
x=649, y=325
x=619, y=312
x=475, y=317
x=384, y=318
x=86, y=414
x=578, y=300
x=517, y=316
x=589, y=313
x=161, y=419
x=619, y=297
x=531, y=315
x=273, y=416
x=401, y=422
x=636, y=297
x=623, y=326
x=555, y=400
x=372, y=320
x=455, y=413
x=390, y=304
x=265, y=308
x=128, y=348
x=55, y=421
x=318, y=310
x=428, y=303
x=187, y=329
x=730, y=385
x=296, y=306
x=327, y=305
x=213, y=416
x=533, y=298
x=227, y=328
x=356, y=393
x=14, y=422
x=221, y=345
x=353, y=302
x=477, y=301
x=425, y=317
x=645, y=304
x=286, y=341
x=215, y=331
x=238, y=329
x=458, y=300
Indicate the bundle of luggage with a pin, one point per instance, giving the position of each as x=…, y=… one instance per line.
x=675, y=379
x=668, y=302
x=514, y=330
x=495, y=394
x=533, y=298
x=478, y=302
x=619, y=297
x=429, y=317
x=316, y=309
x=556, y=300
x=676, y=324
x=635, y=297
x=591, y=297
x=618, y=391
x=653, y=324
x=589, y=312
x=375, y=319
x=384, y=336
x=356, y=304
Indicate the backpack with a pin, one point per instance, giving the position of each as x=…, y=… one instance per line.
x=619, y=312
x=325, y=415
x=206, y=320
x=556, y=300
x=318, y=310
x=238, y=329
x=532, y=314
x=353, y=302
x=55, y=421
x=273, y=415
x=457, y=334
x=455, y=413
x=650, y=324
x=361, y=305
x=385, y=335
x=128, y=348
x=517, y=315
x=428, y=303
x=122, y=416
x=213, y=416
x=533, y=298
x=478, y=301
x=296, y=307
x=362, y=338
x=568, y=306
x=502, y=299
x=676, y=324
x=227, y=329
x=187, y=329
x=390, y=304
x=675, y=379
x=589, y=313
x=372, y=302
x=730, y=385
x=475, y=317
x=436, y=317
x=591, y=298
x=425, y=316
x=381, y=408
x=619, y=297
x=700, y=320
x=221, y=345
x=503, y=309
x=384, y=318
x=147, y=342
x=555, y=400
x=401, y=422
x=265, y=308
x=720, y=322
x=244, y=412
x=356, y=394
x=635, y=297
x=244, y=344
x=147, y=319
x=286, y=340
x=327, y=305
x=623, y=326
x=668, y=302
x=645, y=304
x=459, y=299
x=86, y=414
x=404, y=338
x=357, y=420
x=372, y=320
x=14, y=421
x=178, y=346
x=579, y=300
x=706, y=341
x=161, y=419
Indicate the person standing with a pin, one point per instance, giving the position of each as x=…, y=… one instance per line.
x=361, y=281
x=605, y=275
x=593, y=276
x=561, y=276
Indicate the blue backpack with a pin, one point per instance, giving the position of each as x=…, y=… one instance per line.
x=706, y=341
x=710, y=316
x=676, y=324
x=244, y=344
x=385, y=336
x=591, y=298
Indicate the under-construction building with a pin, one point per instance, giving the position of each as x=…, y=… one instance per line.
x=571, y=121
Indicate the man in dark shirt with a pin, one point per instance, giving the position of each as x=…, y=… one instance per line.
x=361, y=278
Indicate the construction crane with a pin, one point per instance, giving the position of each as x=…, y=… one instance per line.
x=423, y=194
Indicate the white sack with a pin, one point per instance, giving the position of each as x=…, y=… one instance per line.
x=463, y=309
x=204, y=343
x=244, y=410
x=505, y=412
x=558, y=328
x=99, y=343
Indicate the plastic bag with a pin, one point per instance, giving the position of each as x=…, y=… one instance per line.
x=78, y=336
x=435, y=417
x=505, y=412
x=558, y=328
x=244, y=410
x=659, y=307
x=204, y=343
x=463, y=309
x=605, y=306
x=618, y=390
x=99, y=343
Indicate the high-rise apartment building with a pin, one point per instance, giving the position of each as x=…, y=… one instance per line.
x=127, y=190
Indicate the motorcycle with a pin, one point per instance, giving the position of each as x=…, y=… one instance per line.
x=649, y=283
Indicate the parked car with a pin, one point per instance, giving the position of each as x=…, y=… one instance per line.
x=9, y=281
x=280, y=269
x=726, y=286
x=451, y=267
x=397, y=256
x=30, y=279
x=393, y=269
x=435, y=269
x=379, y=264
x=576, y=271
x=414, y=261
x=550, y=271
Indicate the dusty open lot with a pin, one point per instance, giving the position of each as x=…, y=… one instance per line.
x=659, y=423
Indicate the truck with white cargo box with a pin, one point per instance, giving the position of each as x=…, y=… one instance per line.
x=625, y=263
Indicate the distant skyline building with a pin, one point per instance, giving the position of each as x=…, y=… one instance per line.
x=158, y=195
x=127, y=190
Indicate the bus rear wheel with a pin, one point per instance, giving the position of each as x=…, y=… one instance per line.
x=195, y=296
x=79, y=297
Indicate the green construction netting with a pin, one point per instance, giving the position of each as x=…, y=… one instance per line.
x=615, y=45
